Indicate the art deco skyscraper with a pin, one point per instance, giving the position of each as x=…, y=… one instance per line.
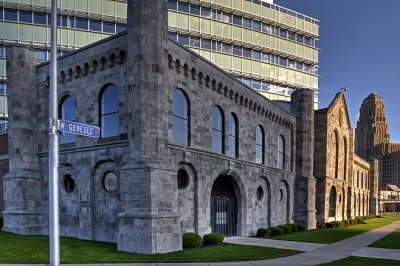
x=373, y=140
x=372, y=128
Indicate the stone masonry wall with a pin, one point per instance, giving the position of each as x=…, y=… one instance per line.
x=140, y=206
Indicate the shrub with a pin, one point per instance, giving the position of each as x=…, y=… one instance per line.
x=335, y=224
x=340, y=224
x=263, y=232
x=360, y=220
x=1, y=223
x=301, y=227
x=379, y=216
x=353, y=221
x=331, y=225
x=191, y=240
x=213, y=239
x=276, y=231
x=294, y=227
x=321, y=225
x=285, y=228
x=346, y=223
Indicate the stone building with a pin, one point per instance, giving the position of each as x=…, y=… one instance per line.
x=389, y=198
x=3, y=163
x=184, y=146
x=344, y=182
x=373, y=140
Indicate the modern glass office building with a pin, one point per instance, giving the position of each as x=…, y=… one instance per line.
x=270, y=48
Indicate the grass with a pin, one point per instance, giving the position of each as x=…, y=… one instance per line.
x=328, y=236
x=363, y=261
x=34, y=249
x=389, y=241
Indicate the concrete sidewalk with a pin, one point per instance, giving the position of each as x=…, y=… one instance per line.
x=352, y=246
x=272, y=243
x=315, y=253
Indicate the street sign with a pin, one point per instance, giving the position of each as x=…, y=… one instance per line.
x=79, y=129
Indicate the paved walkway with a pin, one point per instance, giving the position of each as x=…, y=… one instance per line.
x=353, y=246
x=314, y=254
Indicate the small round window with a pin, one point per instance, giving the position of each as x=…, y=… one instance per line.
x=183, y=179
x=69, y=184
x=260, y=193
x=110, y=182
x=281, y=194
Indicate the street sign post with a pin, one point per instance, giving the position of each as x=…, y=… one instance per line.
x=79, y=129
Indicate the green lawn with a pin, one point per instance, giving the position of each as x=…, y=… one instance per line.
x=327, y=236
x=34, y=249
x=390, y=241
x=363, y=261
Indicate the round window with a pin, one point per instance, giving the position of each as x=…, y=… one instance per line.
x=260, y=193
x=69, y=184
x=183, y=179
x=110, y=182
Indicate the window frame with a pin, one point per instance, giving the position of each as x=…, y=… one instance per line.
x=221, y=131
x=262, y=145
x=233, y=118
x=186, y=119
x=280, y=158
x=101, y=114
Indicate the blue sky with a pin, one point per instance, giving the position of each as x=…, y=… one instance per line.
x=360, y=50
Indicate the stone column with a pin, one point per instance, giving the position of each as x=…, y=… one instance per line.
x=148, y=222
x=304, y=204
x=22, y=185
x=374, y=186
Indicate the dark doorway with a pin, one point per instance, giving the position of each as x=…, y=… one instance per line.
x=332, y=202
x=224, y=206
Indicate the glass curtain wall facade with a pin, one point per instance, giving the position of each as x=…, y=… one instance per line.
x=272, y=49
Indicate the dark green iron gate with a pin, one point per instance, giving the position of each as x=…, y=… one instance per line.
x=224, y=215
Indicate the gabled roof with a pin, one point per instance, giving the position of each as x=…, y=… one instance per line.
x=338, y=97
x=391, y=187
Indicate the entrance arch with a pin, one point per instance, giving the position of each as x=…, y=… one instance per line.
x=225, y=198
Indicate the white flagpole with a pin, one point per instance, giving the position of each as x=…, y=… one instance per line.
x=54, y=230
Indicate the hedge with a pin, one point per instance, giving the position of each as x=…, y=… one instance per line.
x=191, y=240
x=285, y=228
x=276, y=231
x=213, y=239
x=294, y=227
x=263, y=233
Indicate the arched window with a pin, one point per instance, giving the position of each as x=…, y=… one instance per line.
x=109, y=112
x=217, y=130
x=332, y=202
x=260, y=145
x=336, y=154
x=362, y=180
x=280, y=161
x=345, y=159
x=67, y=112
x=232, y=136
x=180, y=118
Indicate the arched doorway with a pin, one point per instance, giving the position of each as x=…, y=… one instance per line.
x=224, y=206
x=332, y=202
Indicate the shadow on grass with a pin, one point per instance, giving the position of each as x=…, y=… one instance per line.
x=390, y=241
x=328, y=236
x=34, y=249
x=363, y=261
